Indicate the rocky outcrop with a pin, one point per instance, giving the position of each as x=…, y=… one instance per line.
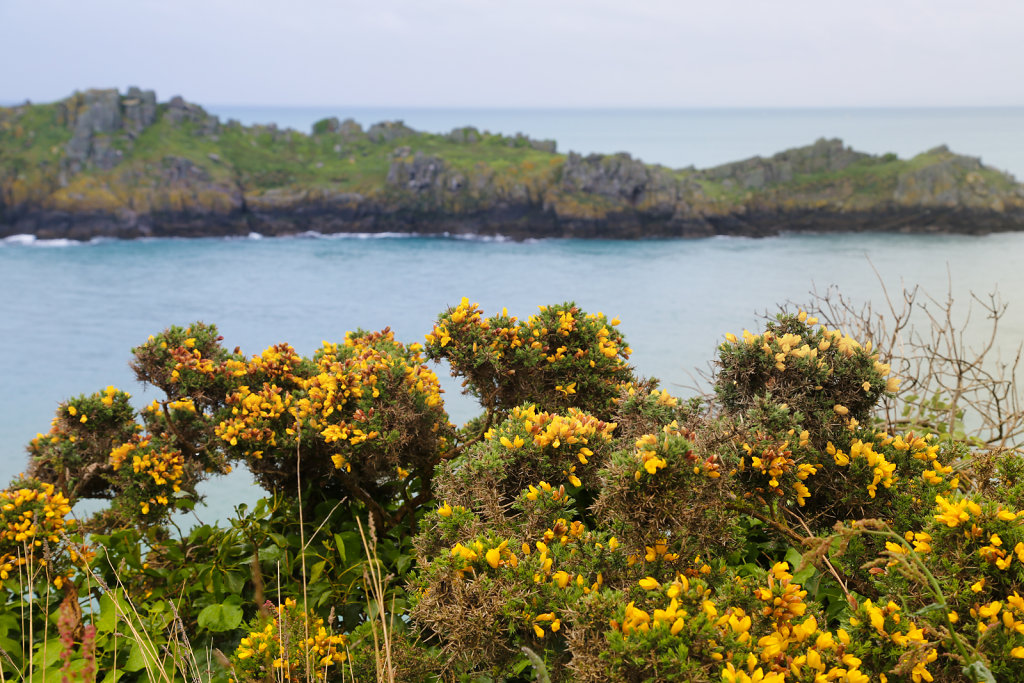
x=348, y=129
x=464, y=135
x=388, y=131
x=127, y=166
x=823, y=156
x=93, y=116
x=620, y=177
x=955, y=181
x=139, y=110
x=417, y=174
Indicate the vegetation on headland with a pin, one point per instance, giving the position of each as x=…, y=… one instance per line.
x=809, y=520
x=104, y=164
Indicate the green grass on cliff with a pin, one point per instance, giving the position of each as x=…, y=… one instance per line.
x=257, y=159
x=32, y=141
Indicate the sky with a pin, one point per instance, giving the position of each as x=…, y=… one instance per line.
x=521, y=53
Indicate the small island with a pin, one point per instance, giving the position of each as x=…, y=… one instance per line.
x=105, y=164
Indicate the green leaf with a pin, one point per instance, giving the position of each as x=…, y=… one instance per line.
x=221, y=617
x=112, y=676
x=934, y=607
x=235, y=582
x=339, y=543
x=979, y=673
x=10, y=645
x=271, y=554
x=136, y=659
x=47, y=653
x=107, y=620
x=316, y=571
x=795, y=559
x=56, y=674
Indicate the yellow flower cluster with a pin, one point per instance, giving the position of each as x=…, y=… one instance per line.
x=784, y=600
x=281, y=648
x=464, y=314
x=1008, y=614
x=888, y=624
x=952, y=514
x=31, y=513
x=446, y=510
x=572, y=435
x=344, y=376
x=543, y=489
x=251, y=415
x=495, y=556
x=785, y=348
x=924, y=449
x=277, y=362
x=164, y=467
x=790, y=650
x=656, y=452
x=110, y=393
x=184, y=404
x=883, y=471
x=775, y=460
x=500, y=336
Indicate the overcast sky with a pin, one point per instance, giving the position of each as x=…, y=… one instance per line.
x=523, y=53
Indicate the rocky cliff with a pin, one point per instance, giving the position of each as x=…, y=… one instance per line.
x=103, y=163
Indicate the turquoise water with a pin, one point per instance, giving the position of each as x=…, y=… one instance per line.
x=70, y=313
x=706, y=137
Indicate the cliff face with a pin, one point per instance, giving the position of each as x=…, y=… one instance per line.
x=102, y=163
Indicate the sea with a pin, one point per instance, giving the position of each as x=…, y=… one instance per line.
x=71, y=312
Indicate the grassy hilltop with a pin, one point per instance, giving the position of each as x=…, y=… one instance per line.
x=105, y=163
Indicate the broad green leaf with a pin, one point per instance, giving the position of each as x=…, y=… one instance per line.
x=47, y=653
x=795, y=559
x=222, y=617
x=316, y=571
x=112, y=676
x=107, y=620
x=136, y=659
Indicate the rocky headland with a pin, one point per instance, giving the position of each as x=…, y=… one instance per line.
x=105, y=164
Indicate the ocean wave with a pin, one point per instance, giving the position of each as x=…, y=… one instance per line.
x=24, y=240
x=312, y=234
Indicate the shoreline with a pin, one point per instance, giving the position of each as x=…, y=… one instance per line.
x=531, y=225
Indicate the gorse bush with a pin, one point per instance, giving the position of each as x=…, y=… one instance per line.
x=586, y=526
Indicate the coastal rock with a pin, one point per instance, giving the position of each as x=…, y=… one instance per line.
x=953, y=180
x=179, y=111
x=756, y=173
x=464, y=135
x=348, y=129
x=139, y=107
x=549, y=146
x=93, y=116
x=617, y=176
x=417, y=174
x=387, y=131
x=520, y=140
x=180, y=169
